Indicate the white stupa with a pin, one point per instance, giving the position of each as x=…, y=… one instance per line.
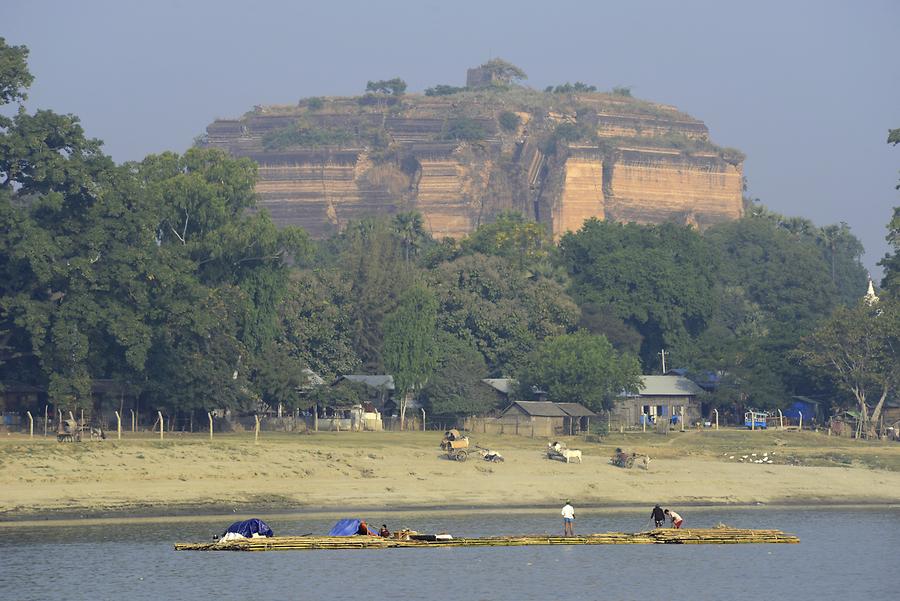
x=870, y=296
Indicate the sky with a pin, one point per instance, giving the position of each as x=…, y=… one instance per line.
x=808, y=90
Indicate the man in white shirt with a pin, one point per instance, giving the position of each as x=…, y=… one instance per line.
x=568, y=514
x=676, y=519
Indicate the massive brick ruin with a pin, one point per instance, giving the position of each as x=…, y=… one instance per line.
x=326, y=161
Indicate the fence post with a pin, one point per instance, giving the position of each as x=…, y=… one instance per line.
x=30, y=425
x=162, y=424
x=423, y=420
x=716, y=411
x=780, y=420
x=133, y=422
x=682, y=418
x=256, y=430
x=209, y=415
x=46, y=422
x=118, y=425
x=801, y=420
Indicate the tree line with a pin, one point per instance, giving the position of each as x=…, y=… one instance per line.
x=163, y=274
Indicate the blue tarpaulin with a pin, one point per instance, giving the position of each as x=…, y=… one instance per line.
x=347, y=527
x=248, y=528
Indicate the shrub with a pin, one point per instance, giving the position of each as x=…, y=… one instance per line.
x=393, y=87
x=443, y=90
x=569, y=88
x=315, y=103
x=621, y=91
x=509, y=121
x=464, y=128
x=303, y=133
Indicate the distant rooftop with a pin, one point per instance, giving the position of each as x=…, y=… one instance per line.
x=668, y=386
x=377, y=381
x=504, y=385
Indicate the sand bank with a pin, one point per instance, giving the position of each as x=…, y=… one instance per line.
x=406, y=471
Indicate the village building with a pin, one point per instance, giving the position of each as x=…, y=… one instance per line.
x=544, y=418
x=661, y=398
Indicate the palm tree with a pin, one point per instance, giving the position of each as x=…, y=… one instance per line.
x=409, y=226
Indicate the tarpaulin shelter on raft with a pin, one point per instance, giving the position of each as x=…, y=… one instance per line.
x=348, y=527
x=252, y=528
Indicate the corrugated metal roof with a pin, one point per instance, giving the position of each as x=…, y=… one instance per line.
x=576, y=409
x=668, y=386
x=386, y=382
x=539, y=409
x=504, y=385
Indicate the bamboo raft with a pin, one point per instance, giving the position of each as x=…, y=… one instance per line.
x=664, y=536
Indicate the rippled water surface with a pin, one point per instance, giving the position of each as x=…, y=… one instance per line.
x=843, y=555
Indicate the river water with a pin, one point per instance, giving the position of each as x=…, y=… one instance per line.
x=844, y=554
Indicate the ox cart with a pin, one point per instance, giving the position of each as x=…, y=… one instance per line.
x=456, y=445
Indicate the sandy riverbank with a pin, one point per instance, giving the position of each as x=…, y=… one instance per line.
x=406, y=471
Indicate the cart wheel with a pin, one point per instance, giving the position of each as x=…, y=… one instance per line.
x=461, y=455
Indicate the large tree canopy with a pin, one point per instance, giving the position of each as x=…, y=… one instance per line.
x=857, y=349
x=658, y=279
x=579, y=368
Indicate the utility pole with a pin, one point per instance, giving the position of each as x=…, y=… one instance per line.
x=662, y=354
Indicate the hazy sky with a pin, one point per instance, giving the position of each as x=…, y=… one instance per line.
x=807, y=90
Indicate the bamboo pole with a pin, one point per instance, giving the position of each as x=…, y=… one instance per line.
x=162, y=424
x=30, y=425
x=256, y=430
x=118, y=425
x=209, y=415
x=133, y=422
x=46, y=418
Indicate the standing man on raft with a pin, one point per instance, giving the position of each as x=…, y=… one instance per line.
x=658, y=516
x=568, y=515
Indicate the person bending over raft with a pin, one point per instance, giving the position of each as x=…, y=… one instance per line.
x=658, y=516
x=384, y=532
x=363, y=530
x=677, y=521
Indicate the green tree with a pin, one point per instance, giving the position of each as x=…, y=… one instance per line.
x=657, y=279
x=409, y=343
x=843, y=252
x=504, y=311
x=15, y=77
x=455, y=388
x=315, y=326
x=509, y=121
x=277, y=375
x=75, y=252
x=370, y=258
x=464, y=129
x=343, y=394
x=857, y=349
x=783, y=283
x=580, y=368
x=503, y=71
x=512, y=237
x=410, y=227
x=393, y=87
x=443, y=90
x=891, y=262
